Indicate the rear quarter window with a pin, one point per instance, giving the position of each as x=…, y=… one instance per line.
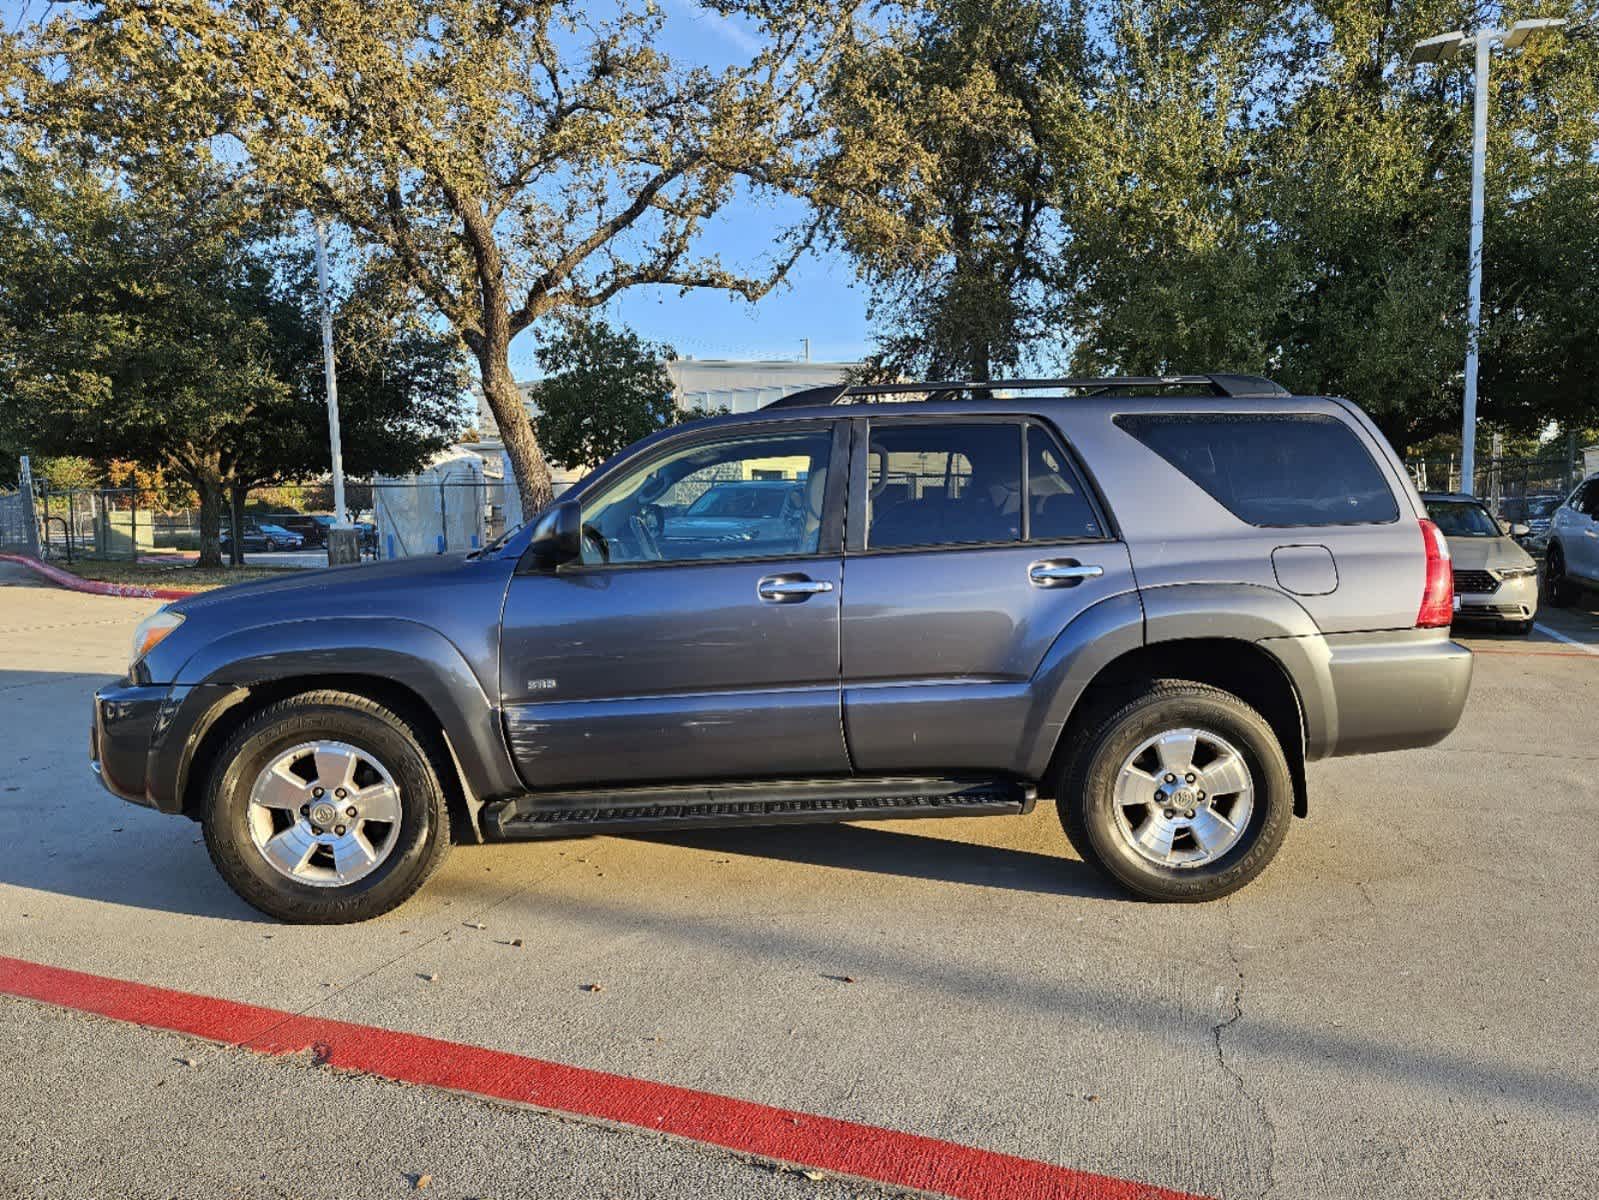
x=1272, y=469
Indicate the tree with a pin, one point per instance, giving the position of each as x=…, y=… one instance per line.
x=165, y=327
x=1275, y=189
x=941, y=181
x=136, y=330
x=505, y=160
x=603, y=389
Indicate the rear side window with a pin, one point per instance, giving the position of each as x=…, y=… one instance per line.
x=1272, y=469
x=942, y=485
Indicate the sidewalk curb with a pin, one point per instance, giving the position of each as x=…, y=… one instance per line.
x=95, y=587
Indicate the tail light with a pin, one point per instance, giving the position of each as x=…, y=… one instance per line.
x=1438, y=596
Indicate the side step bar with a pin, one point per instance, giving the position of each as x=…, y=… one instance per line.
x=783, y=802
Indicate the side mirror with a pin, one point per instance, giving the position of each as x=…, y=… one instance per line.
x=558, y=537
x=1519, y=530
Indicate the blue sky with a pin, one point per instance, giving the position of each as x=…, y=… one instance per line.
x=820, y=300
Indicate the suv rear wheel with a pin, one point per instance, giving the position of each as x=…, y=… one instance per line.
x=1180, y=791
x=324, y=809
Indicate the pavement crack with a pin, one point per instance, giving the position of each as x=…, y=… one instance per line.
x=1218, y=1032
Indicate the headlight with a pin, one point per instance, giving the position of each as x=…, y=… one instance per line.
x=151, y=631
x=1516, y=572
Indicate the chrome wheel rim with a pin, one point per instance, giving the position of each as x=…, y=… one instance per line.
x=325, y=814
x=1183, y=798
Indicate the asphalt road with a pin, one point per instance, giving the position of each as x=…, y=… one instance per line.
x=1401, y=1007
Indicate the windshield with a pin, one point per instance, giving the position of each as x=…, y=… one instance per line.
x=1543, y=507
x=1461, y=518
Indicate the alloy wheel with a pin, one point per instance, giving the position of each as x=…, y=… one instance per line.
x=324, y=813
x=1183, y=798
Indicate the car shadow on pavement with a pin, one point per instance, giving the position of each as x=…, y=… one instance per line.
x=155, y=869
x=911, y=855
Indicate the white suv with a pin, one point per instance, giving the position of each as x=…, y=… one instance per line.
x=1573, y=562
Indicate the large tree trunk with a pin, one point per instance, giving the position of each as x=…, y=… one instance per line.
x=209, y=486
x=516, y=430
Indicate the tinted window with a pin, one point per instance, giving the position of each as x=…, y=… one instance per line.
x=1587, y=500
x=1279, y=469
x=942, y=485
x=698, y=503
x=1056, y=505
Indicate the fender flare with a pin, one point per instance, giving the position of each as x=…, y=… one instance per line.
x=322, y=650
x=1130, y=621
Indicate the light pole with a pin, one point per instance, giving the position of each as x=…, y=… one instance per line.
x=1445, y=48
x=341, y=517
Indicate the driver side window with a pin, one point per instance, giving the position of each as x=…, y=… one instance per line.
x=754, y=496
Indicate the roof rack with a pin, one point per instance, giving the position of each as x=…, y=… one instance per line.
x=1220, y=385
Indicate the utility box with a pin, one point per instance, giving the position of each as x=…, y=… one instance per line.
x=344, y=546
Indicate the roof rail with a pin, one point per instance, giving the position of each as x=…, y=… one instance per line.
x=1220, y=385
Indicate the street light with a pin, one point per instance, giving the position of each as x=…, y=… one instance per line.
x=1446, y=47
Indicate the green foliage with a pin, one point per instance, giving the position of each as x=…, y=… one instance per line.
x=1150, y=186
x=941, y=181
x=171, y=327
x=604, y=388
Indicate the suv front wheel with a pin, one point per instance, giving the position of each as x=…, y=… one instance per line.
x=1180, y=791
x=324, y=808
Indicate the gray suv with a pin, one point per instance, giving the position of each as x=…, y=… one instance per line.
x=1152, y=600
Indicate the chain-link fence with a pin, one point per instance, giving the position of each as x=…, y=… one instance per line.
x=18, y=530
x=1516, y=489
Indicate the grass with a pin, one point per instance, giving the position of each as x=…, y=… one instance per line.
x=178, y=575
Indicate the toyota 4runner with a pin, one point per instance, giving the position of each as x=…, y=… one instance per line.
x=1151, y=600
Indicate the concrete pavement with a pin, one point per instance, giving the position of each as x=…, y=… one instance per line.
x=1399, y=1007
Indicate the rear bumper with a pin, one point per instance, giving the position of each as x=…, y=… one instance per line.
x=1397, y=690
x=126, y=720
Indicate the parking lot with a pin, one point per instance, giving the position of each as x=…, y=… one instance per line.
x=1401, y=1006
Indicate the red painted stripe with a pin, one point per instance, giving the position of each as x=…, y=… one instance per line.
x=842, y=1147
x=97, y=587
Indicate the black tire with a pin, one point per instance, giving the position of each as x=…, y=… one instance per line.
x=1085, y=791
x=419, y=847
x=1521, y=628
x=1557, y=589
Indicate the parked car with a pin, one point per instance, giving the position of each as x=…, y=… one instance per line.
x=312, y=527
x=1150, y=600
x=759, y=512
x=263, y=535
x=1571, y=563
x=1537, y=512
x=1495, y=579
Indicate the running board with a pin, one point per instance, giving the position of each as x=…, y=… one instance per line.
x=707, y=806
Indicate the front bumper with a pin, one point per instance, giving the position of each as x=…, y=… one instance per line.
x=126, y=720
x=1514, y=600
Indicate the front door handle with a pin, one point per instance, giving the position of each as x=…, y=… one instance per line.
x=790, y=589
x=1061, y=572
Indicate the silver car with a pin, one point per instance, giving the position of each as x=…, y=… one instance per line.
x=1573, y=555
x=1495, y=579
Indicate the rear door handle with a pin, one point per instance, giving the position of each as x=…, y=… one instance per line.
x=790, y=589
x=1061, y=572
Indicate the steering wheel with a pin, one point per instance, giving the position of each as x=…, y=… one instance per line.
x=647, y=544
x=593, y=537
